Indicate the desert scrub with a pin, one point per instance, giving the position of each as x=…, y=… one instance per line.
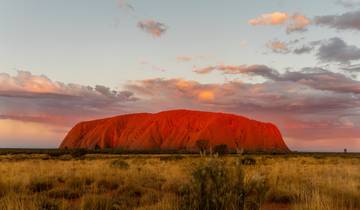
x=64, y=193
x=171, y=157
x=154, y=184
x=210, y=187
x=43, y=203
x=79, y=183
x=121, y=164
x=255, y=192
x=217, y=185
x=41, y=184
x=106, y=185
x=97, y=202
x=247, y=160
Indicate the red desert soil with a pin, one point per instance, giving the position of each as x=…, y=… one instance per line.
x=176, y=129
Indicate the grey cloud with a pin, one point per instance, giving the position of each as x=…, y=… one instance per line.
x=315, y=78
x=256, y=70
x=336, y=50
x=303, y=50
x=349, y=20
x=351, y=68
x=349, y=3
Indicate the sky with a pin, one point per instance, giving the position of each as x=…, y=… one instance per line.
x=293, y=63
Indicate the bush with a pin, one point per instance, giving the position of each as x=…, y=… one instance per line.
x=210, y=188
x=68, y=194
x=40, y=185
x=105, y=185
x=78, y=183
x=56, y=153
x=122, y=164
x=44, y=203
x=215, y=186
x=280, y=196
x=248, y=161
x=202, y=145
x=221, y=149
x=78, y=153
x=129, y=196
x=255, y=192
x=49, y=205
x=3, y=189
x=171, y=157
x=97, y=202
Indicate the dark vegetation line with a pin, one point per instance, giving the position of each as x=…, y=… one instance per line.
x=117, y=151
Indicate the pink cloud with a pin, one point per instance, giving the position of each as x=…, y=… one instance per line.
x=293, y=23
x=278, y=46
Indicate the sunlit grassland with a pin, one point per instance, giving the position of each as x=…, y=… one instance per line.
x=100, y=181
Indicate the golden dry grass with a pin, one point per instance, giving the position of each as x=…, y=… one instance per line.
x=151, y=182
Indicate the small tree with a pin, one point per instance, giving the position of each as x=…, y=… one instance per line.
x=202, y=145
x=221, y=149
x=97, y=147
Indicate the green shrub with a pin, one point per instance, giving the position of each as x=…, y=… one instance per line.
x=209, y=189
x=216, y=186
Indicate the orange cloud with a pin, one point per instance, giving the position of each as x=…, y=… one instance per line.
x=275, y=18
x=184, y=58
x=295, y=22
x=206, y=95
x=298, y=22
x=183, y=84
x=278, y=46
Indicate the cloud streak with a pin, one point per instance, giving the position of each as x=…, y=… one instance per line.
x=152, y=27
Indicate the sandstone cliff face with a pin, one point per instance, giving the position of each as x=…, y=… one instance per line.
x=177, y=129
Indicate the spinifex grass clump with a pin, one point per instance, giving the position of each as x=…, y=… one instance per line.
x=119, y=163
x=215, y=186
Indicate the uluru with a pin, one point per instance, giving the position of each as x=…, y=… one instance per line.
x=175, y=129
